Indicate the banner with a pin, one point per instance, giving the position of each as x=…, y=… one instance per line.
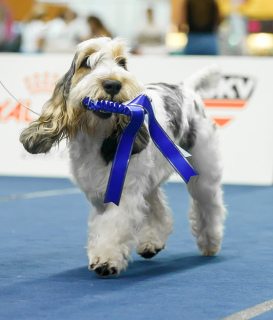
x=242, y=109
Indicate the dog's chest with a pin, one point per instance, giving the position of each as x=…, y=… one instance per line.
x=86, y=151
x=87, y=164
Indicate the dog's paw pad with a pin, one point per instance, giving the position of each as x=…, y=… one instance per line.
x=148, y=254
x=104, y=270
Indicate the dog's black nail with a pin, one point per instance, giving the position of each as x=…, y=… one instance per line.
x=113, y=271
x=149, y=254
x=103, y=270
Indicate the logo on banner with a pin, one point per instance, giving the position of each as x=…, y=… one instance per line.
x=233, y=94
x=39, y=88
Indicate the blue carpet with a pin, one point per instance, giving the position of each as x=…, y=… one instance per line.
x=43, y=266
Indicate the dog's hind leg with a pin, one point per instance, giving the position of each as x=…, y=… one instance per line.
x=157, y=226
x=207, y=211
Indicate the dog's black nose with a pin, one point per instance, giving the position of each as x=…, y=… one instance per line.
x=112, y=87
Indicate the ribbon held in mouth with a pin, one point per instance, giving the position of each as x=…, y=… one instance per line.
x=137, y=109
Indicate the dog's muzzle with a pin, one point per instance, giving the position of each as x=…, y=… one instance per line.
x=100, y=113
x=111, y=87
x=103, y=114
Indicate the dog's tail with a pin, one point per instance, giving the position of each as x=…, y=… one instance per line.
x=205, y=81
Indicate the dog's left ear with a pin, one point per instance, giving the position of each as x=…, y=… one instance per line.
x=55, y=122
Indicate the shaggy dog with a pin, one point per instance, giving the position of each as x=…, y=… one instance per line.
x=142, y=220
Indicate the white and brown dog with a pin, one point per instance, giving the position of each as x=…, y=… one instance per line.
x=142, y=220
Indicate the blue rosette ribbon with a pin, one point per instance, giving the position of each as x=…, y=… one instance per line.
x=136, y=110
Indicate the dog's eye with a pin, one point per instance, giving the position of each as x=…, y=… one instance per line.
x=84, y=63
x=122, y=63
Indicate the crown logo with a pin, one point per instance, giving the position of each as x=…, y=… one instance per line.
x=39, y=83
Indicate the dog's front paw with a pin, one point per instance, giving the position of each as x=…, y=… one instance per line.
x=107, y=263
x=103, y=269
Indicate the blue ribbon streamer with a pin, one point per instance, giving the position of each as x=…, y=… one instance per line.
x=137, y=109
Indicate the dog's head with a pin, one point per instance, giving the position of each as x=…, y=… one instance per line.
x=99, y=71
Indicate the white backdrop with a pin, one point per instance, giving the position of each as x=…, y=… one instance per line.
x=243, y=110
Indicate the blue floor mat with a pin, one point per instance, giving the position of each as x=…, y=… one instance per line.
x=43, y=266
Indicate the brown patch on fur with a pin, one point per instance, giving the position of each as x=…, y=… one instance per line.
x=122, y=121
x=83, y=54
x=79, y=75
x=81, y=72
x=118, y=50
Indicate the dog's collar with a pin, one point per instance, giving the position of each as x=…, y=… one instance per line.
x=137, y=109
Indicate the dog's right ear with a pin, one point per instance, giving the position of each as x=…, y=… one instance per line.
x=54, y=124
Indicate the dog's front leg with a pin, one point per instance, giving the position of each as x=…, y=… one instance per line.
x=113, y=234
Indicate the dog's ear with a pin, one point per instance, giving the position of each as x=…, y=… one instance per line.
x=55, y=122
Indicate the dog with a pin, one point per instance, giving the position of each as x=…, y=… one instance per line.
x=142, y=221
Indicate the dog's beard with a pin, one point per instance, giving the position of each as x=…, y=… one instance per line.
x=91, y=122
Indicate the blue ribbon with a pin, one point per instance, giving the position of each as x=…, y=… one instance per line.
x=137, y=109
